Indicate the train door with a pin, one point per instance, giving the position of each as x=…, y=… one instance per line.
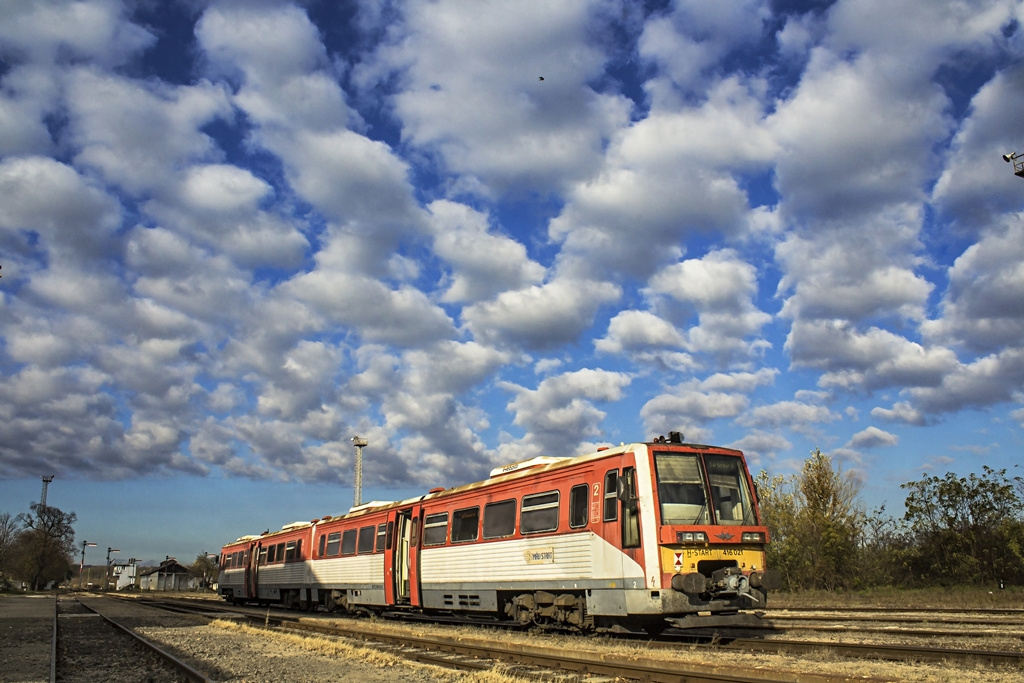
x=252, y=569
x=401, y=555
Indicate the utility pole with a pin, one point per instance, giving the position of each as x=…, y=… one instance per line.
x=106, y=574
x=358, y=442
x=46, y=483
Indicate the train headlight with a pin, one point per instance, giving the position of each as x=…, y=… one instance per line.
x=691, y=537
x=753, y=537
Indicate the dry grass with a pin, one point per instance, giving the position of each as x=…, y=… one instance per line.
x=328, y=647
x=938, y=598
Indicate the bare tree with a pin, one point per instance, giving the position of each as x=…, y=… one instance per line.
x=8, y=535
x=45, y=545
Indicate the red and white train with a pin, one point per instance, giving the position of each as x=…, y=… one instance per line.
x=642, y=536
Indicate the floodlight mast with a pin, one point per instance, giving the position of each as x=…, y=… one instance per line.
x=357, y=498
x=46, y=484
x=1018, y=163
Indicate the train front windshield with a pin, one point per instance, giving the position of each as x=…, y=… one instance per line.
x=702, y=490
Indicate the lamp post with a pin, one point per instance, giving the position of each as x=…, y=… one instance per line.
x=81, y=567
x=106, y=574
x=358, y=442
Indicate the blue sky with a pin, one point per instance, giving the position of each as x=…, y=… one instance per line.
x=235, y=234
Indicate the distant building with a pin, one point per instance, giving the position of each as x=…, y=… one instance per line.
x=169, y=576
x=125, y=576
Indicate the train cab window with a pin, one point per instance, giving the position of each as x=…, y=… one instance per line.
x=500, y=519
x=681, y=488
x=289, y=551
x=578, y=503
x=391, y=534
x=367, y=536
x=540, y=513
x=435, y=529
x=730, y=496
x=381, y=536
x=465, y=524
x=333, y=544
x=348, y=542
x=611, y=503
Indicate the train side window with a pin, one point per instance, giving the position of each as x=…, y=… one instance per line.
x=367, y=534
x=578, y=503
x=435, y=529
x=540, y=513
x=381, y=536
x=333, y=543
x=348, y=542
x=611, y=503
x=298, y=549
x=465, y=524
x=271, y=553
x=500, y=519
x=391, y=534
x=280, y=551
x=289, y=551
x=323, y=540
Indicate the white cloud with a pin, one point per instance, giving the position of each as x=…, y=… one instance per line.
x=900, y=412
x=560, y=412
x=873, y=359
x=873, y=437
x=693, y=37
x=983, y=307
x=541, y=316
x=492, y=121
x=484, y=264
x=663, y=183
x=50, y=30
x=129, y=154
x=787, y=414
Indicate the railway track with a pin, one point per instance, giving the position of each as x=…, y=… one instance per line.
x=88, y=645
x=526, y=661
x=606, y=665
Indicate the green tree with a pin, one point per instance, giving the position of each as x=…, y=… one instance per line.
x=815, y=522
x=967, y=530
x=45, y=545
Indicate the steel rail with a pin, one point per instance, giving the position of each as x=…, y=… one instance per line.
x=879, y=651
x=557, y=658
x=188, y=670
x=53, y=641
x=916, y=633
x=862, y=650
x=895, y=619
x=909, y=610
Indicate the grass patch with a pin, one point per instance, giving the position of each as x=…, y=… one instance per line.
x=328, y=647
x=955, y=597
